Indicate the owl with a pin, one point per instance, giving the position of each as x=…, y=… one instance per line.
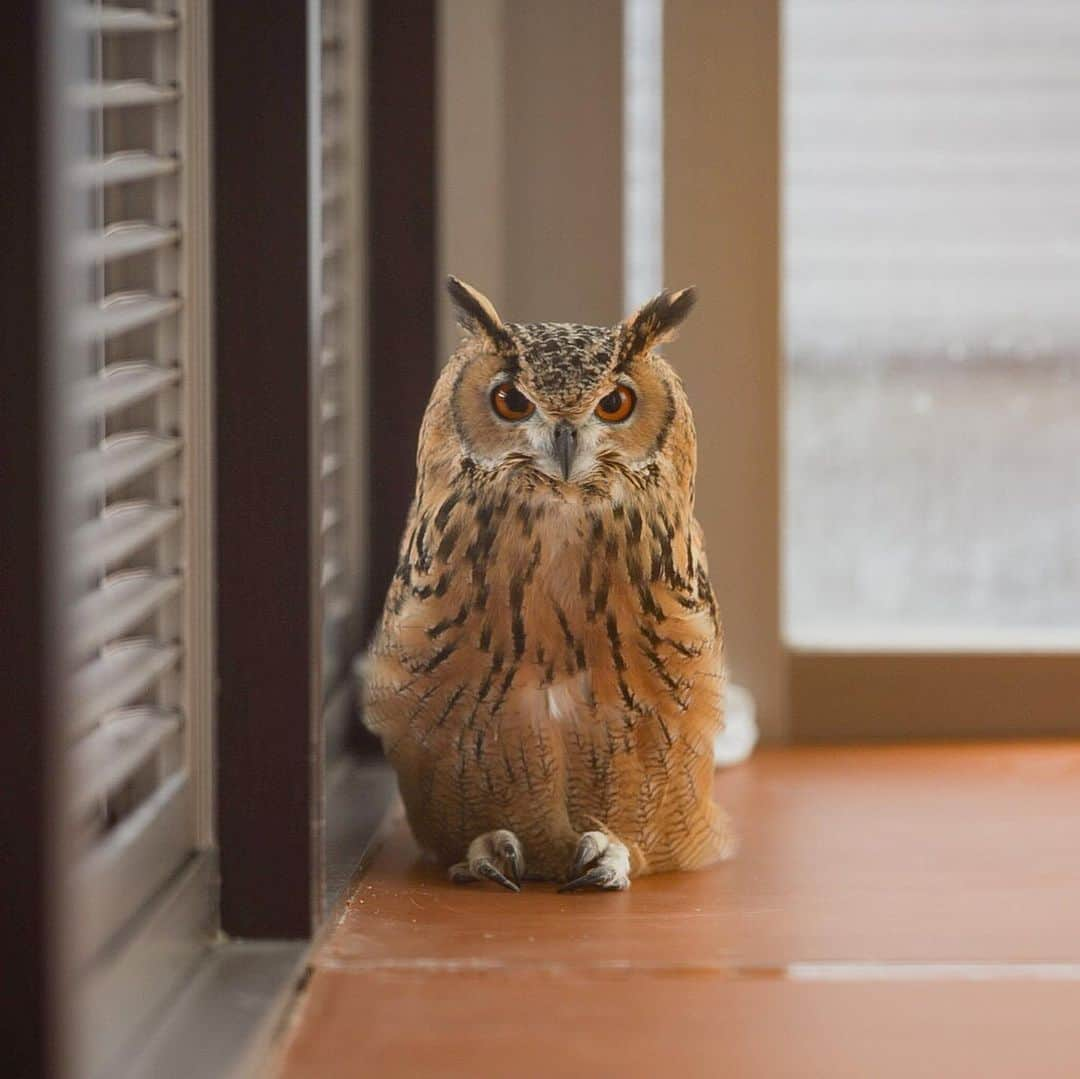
x=547, y=676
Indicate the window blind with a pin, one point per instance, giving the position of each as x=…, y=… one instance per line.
x=932, y=156
x=136, y=379
x=338, y=421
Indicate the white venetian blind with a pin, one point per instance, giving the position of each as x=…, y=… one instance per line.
x=339, y=294
x=932, y=160
x=138, y=499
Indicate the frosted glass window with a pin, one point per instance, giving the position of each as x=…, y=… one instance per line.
x=932, y=322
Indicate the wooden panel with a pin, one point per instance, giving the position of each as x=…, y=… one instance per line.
x=874, y=887
x=31, y=1043
x=887, y=904
x=721, y=222
x=473, y=120
x=128, y=866
x=475, y=1024
x=898, y=853
x=402, y=273
x=223, y=1022
x=266, y=747
x=564, y=161
x=122, y=996
x=531, y=165
x=848, y=696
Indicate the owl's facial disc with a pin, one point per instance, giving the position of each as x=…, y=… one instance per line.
x=567, y=404
x=567, y=444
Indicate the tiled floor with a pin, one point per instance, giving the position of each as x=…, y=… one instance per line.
x=893, y=911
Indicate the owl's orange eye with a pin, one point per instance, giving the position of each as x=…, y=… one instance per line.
x=617, y=405
x=510, y=403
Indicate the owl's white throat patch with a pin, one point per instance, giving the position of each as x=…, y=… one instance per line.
x=558, y=703
x=564, y=699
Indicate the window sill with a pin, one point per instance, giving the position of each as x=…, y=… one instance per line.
x=876, y=885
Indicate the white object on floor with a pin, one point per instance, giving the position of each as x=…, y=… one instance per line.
x=740, y=734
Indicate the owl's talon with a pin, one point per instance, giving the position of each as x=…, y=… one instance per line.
x=600, y=877
x=495, y=856
x=610, y=862
x=460, y=873
x=486, y=869
x=510, y=856
x=588, y=851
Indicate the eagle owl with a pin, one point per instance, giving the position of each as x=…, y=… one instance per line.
x=547, y=676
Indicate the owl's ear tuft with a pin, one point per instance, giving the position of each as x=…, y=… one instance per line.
x=475, y=312
x=657, y=321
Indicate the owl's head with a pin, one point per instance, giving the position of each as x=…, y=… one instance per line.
x=573, y=404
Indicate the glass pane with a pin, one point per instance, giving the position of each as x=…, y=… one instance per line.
x=932, y=318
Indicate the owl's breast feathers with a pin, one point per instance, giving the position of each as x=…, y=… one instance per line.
x=542, y=645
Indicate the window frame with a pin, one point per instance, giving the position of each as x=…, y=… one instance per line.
x=722, y=232
x=294, y=807
x=31, y=943
x=268, y=668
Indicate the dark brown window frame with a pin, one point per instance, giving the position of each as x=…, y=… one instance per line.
x=270, y=801
x=29, y=942
x=402, y=268
x=267, y=768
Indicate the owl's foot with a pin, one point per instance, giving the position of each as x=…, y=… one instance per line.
x=496, y=856
x=599, y=862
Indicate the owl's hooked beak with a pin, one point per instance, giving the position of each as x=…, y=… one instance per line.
x=564, y=446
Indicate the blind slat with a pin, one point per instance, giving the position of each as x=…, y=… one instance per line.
x=117, y=20
x=111, y=753
x=331, y=571
x=120, y=530
x=123, y=94
x=120, y=459
x=123, y=672
x=125, y=166
x=127, y=238
x=118, y=605
x=331, y=518
x=120, y=385
x=122, y=312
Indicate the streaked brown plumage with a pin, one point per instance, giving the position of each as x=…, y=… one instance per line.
x=549, y=659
